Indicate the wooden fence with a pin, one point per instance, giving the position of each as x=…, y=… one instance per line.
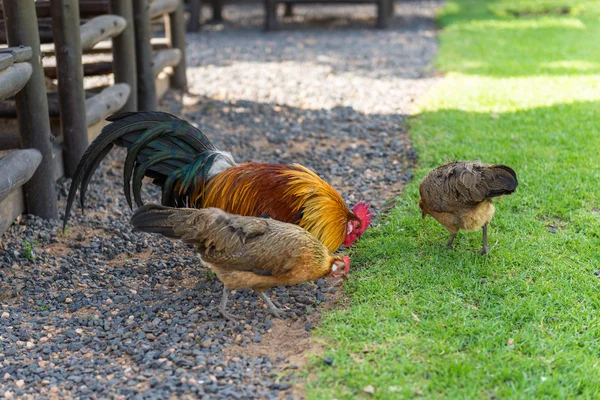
x=31, y=161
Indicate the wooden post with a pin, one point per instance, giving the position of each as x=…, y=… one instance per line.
x=383, y=14
x=217, y=10
x=143, y=54
x=289, y=10
x=270, y=15
x=32, y=106
x=69, y=66
x=177, y=33
x=123, y=50
x=195, y=15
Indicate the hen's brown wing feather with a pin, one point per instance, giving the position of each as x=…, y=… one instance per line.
x=235, y=243
x=215, y=230
x=457, y=185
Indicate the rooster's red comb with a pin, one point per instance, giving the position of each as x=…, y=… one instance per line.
x=361, y=210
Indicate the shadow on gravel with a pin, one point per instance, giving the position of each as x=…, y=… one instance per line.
x=342, y=37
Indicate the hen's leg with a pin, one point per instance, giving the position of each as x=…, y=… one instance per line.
x=484, y=248
x=274, y=310
x=223, y=306
x=451, y=240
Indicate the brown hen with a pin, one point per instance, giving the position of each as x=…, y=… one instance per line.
x=459, y=195
x=245, y=252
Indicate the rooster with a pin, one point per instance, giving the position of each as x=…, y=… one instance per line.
x=245, y=252
x=193, y=173
x=459, y=195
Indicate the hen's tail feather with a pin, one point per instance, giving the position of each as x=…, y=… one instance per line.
x=153, y=218
x=504, y=180
x=160, y=146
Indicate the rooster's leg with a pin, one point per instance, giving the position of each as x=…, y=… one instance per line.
x=484, y=248
x=223, y=306
x=451, y=240
x=274, y=310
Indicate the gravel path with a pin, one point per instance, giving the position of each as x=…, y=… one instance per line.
x=106, y=312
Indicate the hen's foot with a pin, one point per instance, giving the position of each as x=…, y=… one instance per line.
x=277, y=313
x=450, y=241
x=223, y=307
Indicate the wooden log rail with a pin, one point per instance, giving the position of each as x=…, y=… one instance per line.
x=14, y=73
x=100, y=28
x=105, y=103
x=165, y=58
x=159, y=8
x=17, y=168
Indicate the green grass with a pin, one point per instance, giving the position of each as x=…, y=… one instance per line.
x=522, y=88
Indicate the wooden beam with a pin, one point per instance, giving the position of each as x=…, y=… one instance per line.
x=105, y=103
x=101, y=28
x=32, y=105
x=165, y=58
x=71, y=97
x=16, y=169
x=92, y=69
x=177, y=36
x=143, y=55
x=123, y=51
x=14, y=78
